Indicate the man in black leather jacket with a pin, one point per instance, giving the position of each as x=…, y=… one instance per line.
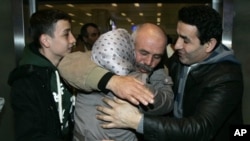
x=208, y=86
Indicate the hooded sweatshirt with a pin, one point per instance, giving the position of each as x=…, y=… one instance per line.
x=33, y=61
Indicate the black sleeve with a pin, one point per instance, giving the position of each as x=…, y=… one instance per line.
x=103, y=82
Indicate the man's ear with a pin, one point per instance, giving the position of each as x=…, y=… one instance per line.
x=210, y=45
x=44, y=40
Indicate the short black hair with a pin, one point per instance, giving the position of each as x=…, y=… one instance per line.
x=43, y=22
x=207, y=20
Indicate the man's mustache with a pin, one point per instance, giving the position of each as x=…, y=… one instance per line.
x=144, y=67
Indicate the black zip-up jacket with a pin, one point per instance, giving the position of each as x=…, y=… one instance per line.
x=38, y=103
x=36, y=115
x=211, y=104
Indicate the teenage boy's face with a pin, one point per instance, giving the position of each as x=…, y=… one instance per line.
x=63, y=40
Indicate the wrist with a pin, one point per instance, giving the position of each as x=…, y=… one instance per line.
x=111, y=82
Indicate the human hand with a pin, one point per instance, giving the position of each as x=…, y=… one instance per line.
x=131, y=89
x=121, y=114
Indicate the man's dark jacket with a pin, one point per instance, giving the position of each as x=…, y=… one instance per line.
x=211, y=102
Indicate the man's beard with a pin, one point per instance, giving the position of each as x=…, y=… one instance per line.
x=144, y=67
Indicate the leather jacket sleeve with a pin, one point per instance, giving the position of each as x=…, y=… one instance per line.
x=212, y=101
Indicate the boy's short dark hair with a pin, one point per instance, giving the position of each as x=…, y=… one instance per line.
x=43, y=22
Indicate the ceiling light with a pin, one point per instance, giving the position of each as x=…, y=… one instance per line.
x=137, y=4
x=159, y=4
x=159, y=14
x=129, y=20
x=123, y=14
x=48, y=5
x=158, y=19
x=81, y=23
x=89, y=14
x=71, y=14
x=70, y=5
x=141, y=14
x=114, y=4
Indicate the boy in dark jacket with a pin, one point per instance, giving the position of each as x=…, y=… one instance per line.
x=41, y=101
